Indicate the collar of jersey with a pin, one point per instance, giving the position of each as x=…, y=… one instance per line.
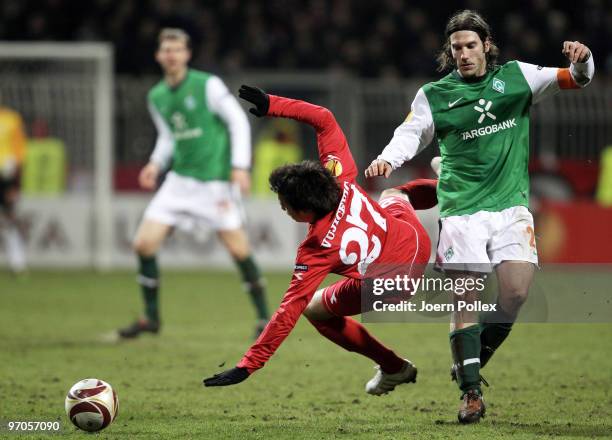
x=183, y=81
x=458, y=77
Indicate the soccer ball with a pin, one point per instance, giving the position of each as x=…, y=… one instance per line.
x=91, y=404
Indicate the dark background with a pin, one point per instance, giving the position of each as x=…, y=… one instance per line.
x=389, y=38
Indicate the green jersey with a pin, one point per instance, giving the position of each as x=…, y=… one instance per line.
x=190, y=129
x=482, y=127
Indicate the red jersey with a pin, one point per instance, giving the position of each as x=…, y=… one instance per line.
x=359, y=232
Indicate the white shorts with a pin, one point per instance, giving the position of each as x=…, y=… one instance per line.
x=190, y=204
x=480, y=241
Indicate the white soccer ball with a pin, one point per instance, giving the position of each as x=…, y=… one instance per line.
x=91, y=404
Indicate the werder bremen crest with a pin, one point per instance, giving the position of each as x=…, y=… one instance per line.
x=190, y=102
x=499, y=85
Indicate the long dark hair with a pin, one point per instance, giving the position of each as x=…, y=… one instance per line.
x=306, y=186
x=467, y=20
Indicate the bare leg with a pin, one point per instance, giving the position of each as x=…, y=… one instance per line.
x=13, y=240
x=514, y=279
x=149, y=238
x=237, y=244
x=463, y=318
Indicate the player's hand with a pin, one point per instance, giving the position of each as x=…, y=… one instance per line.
x=228, y=377
x=379, y=167
x=255, y=96
x=243, y=179
x=147, y=178
x=575, y=51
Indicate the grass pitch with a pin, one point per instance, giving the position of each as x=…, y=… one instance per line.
x=548, y=380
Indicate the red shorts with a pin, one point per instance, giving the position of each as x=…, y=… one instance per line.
x=343, y=298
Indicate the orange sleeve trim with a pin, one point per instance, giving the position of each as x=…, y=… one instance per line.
x=565, y=80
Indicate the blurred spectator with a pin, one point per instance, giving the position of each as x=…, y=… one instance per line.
x=12, y=153
x=277, y=146
x=604, y=189
x=369, y=39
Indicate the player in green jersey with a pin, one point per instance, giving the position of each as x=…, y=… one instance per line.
x=204, y=133
x=479, y=113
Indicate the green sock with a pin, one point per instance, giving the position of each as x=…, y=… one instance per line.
x=494, y=329
x=465, y=348
x=148, y=278
x=254, y=285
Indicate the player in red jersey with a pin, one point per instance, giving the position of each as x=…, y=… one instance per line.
x=347, y=232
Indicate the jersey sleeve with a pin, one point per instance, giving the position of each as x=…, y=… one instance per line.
x=311, y=268
x=413, y=135
x=334, y=151
x=545, y=82
x=164, y=146
x=221, y=102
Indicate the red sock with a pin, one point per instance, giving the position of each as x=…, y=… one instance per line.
x=352, y=336
x=421, y=192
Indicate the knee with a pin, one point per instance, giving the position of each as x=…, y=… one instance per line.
x=312, y=313
x=315, y=310
x=237, y=245
x=144, y=247
x=239, y=253
x=307, y=313
x=514, y=297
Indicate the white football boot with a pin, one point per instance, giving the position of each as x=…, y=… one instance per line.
x=382, y=382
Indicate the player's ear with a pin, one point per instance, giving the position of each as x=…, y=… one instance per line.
x=487, y=45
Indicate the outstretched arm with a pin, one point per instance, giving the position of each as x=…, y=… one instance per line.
x=414, y=134
x=331, y=141
x=310, y=271
x=547, y=81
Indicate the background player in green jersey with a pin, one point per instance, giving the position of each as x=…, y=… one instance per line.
x=204, y=133
x=479, y=114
